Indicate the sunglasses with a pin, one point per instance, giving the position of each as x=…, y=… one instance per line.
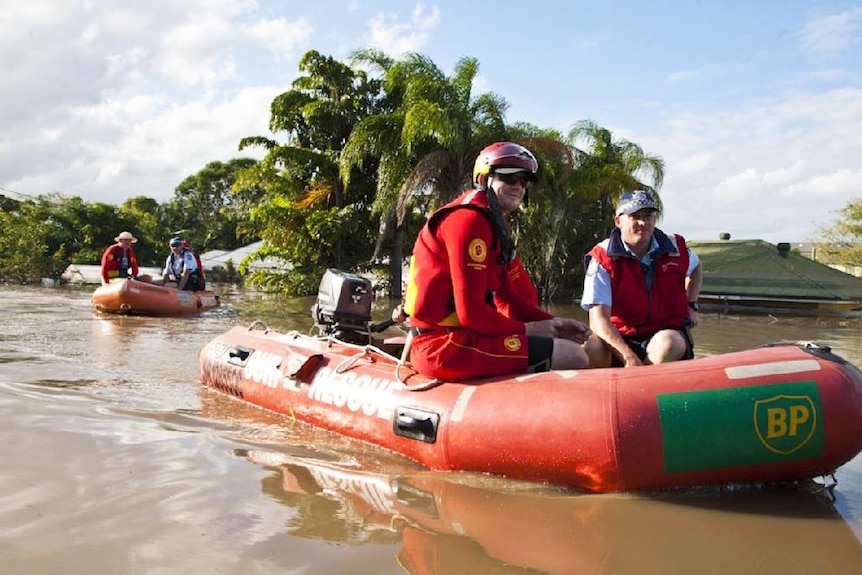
x=521, y=178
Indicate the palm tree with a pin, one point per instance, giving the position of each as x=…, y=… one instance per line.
x=307, y=218
x=611, y=166
x=571, y=207
x=427, y=135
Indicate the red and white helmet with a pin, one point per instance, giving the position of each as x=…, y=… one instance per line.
x=505, y=155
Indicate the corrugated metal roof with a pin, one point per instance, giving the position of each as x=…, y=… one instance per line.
x=755, y=268
x=215, y=258
x=92, y=274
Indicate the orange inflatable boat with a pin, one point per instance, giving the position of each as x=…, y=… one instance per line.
x=141, y=298
x=777, y=413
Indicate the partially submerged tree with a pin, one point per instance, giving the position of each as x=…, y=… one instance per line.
x=572, y=205
x=305, y=216
x=427, y=133
x=206, y=212
x=43, y=235
x=610, y=166
x=842, y=241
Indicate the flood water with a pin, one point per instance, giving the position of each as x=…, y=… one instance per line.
x=116, y=461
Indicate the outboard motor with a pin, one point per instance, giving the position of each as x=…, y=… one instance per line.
x=343, y=308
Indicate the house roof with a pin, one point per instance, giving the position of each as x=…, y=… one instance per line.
x=214, y=258
x=92, y=274
x=755, y=268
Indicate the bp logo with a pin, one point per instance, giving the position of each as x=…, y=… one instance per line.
x=785, y=423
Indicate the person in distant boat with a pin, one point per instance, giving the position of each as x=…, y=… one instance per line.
x=119, y=260
x=459, y=275
x=181, y=268
x=641, y=290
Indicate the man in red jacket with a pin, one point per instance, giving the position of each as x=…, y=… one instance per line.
x=119, y=260
x=458, y=271
x=640, y=290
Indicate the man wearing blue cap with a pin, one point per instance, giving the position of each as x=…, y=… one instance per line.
x=181, y=268
x=641, y=290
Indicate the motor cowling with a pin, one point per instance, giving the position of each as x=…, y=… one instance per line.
x=343, y=307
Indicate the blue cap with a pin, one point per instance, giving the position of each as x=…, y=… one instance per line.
x=176, y=242
x=631, y=202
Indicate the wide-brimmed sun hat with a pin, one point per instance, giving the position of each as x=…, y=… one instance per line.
x=126, y=236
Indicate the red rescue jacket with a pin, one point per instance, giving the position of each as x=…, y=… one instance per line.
x=522, y=285
x=457, y=272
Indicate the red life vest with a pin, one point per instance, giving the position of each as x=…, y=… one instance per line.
x=430, y=299
x=200, y=266
x=114, y=266
x=636, y=312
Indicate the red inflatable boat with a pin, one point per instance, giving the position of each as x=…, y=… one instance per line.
x=777, y=413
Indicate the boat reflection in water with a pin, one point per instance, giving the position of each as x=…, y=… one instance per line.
x=468, y=523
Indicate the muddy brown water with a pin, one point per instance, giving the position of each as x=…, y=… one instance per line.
x=114, y=460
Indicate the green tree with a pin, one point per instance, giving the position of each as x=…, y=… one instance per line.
x=579, y=188
x=204, y=210
x=44, y=234
x=571, y=207
x=843, y=239
x=610, y=166
x=145, y=215
x=306, y=217
x=21, y=243
x=426, y=133
x=550, y=221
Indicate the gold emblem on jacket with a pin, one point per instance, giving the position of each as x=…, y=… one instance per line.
x=478, y=250
x=512, y=343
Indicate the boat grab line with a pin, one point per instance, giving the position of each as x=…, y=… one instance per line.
x=348, y=362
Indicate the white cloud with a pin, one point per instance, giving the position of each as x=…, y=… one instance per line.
x=825, y=75
x=827, y=36
x=772, y=169
x=107, y=100
x=87, y=108
x=197, y=52
x=694, y=163
x=481, y=85
x=836, y=184
x=396, y=38
x=280, y=36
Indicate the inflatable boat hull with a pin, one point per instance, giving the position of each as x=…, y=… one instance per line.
x=771, y=414
x=140, y=298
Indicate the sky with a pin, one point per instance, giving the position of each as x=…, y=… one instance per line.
x=754, y=106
